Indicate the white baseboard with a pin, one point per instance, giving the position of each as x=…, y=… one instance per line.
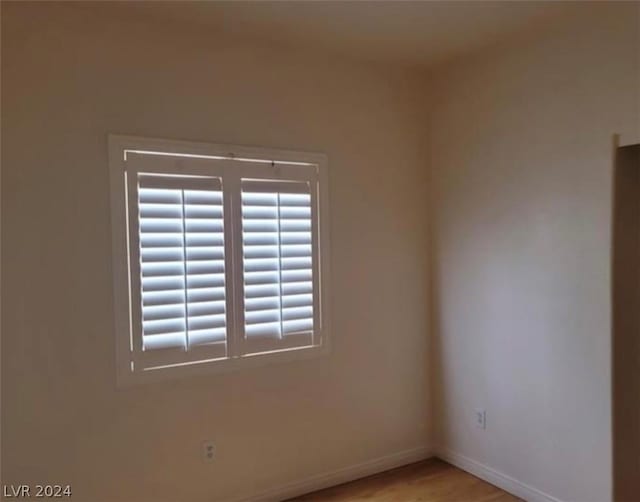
x=339, y=476
x=482, y=471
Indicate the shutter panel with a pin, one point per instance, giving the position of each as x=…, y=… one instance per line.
x=277, y=264
x=182, y=266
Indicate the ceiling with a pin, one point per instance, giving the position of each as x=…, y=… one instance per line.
x=410, y=33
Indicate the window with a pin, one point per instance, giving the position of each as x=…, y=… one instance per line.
x=220, y=256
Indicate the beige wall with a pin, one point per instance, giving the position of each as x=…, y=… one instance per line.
x=522, y=184
x=72, y=74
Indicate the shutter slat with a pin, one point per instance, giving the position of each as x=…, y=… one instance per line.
x=205, y=336
x=151, y=210
x=296, y=250
x=270, y=329
x=302, y=300
x=207, y=322
x=295, y=237
x=151, y=298
x=294, y=313
x=298, y=325
x=259, y=199
x=296, y=288
x=261, y=264
x=161, y=225
x=262, y=316
x=206, y=308
x=203, y=225
x=262, y=290
x=297, y=275
x=165, y=341
x=204, y=197
x=205, y=281
x=261, y=252
x=291, y=213
x=295, y=199
x=164, y=326
x=262, y=225
x=260, y=238
x=264, y=303
x=161, y=240
x=205, y=267
x=262, y=277
x=162, y=268
x=259, y=212
x=296, y=263
x=162, y=283
x=197, y=240
x=203, y=211
x=301, y=225
x=205, y=253
x=168, y=311
x=160, y=196
x=206, y=294
x=149, y=255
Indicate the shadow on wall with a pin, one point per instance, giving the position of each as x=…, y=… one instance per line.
x=626, y=325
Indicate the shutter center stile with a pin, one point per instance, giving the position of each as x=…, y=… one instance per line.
x=184, y=269
x=280, y=313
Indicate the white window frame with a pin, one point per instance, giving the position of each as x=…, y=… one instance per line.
x=229, y=157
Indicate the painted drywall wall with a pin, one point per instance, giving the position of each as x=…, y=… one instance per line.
x=522, y=170
x=71, y=74
x=626, y=325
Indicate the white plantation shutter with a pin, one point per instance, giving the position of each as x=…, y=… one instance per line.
x=218, y=263
x=278, y=264
x=180, y=229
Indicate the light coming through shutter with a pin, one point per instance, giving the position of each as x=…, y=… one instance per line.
x=277, y=264
x=182, y=266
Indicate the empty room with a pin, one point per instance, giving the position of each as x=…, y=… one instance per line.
x=257, y=251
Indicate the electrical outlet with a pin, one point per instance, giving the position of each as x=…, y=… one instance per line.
x=480, y=418
x=208, y=451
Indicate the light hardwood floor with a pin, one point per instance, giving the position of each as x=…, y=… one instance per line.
x=429, y=481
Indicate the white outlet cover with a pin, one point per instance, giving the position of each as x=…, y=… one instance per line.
x=480, y=418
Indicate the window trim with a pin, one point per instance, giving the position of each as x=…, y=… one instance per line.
x=118, y=145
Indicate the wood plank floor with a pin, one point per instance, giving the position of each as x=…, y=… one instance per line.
x=431, y=480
